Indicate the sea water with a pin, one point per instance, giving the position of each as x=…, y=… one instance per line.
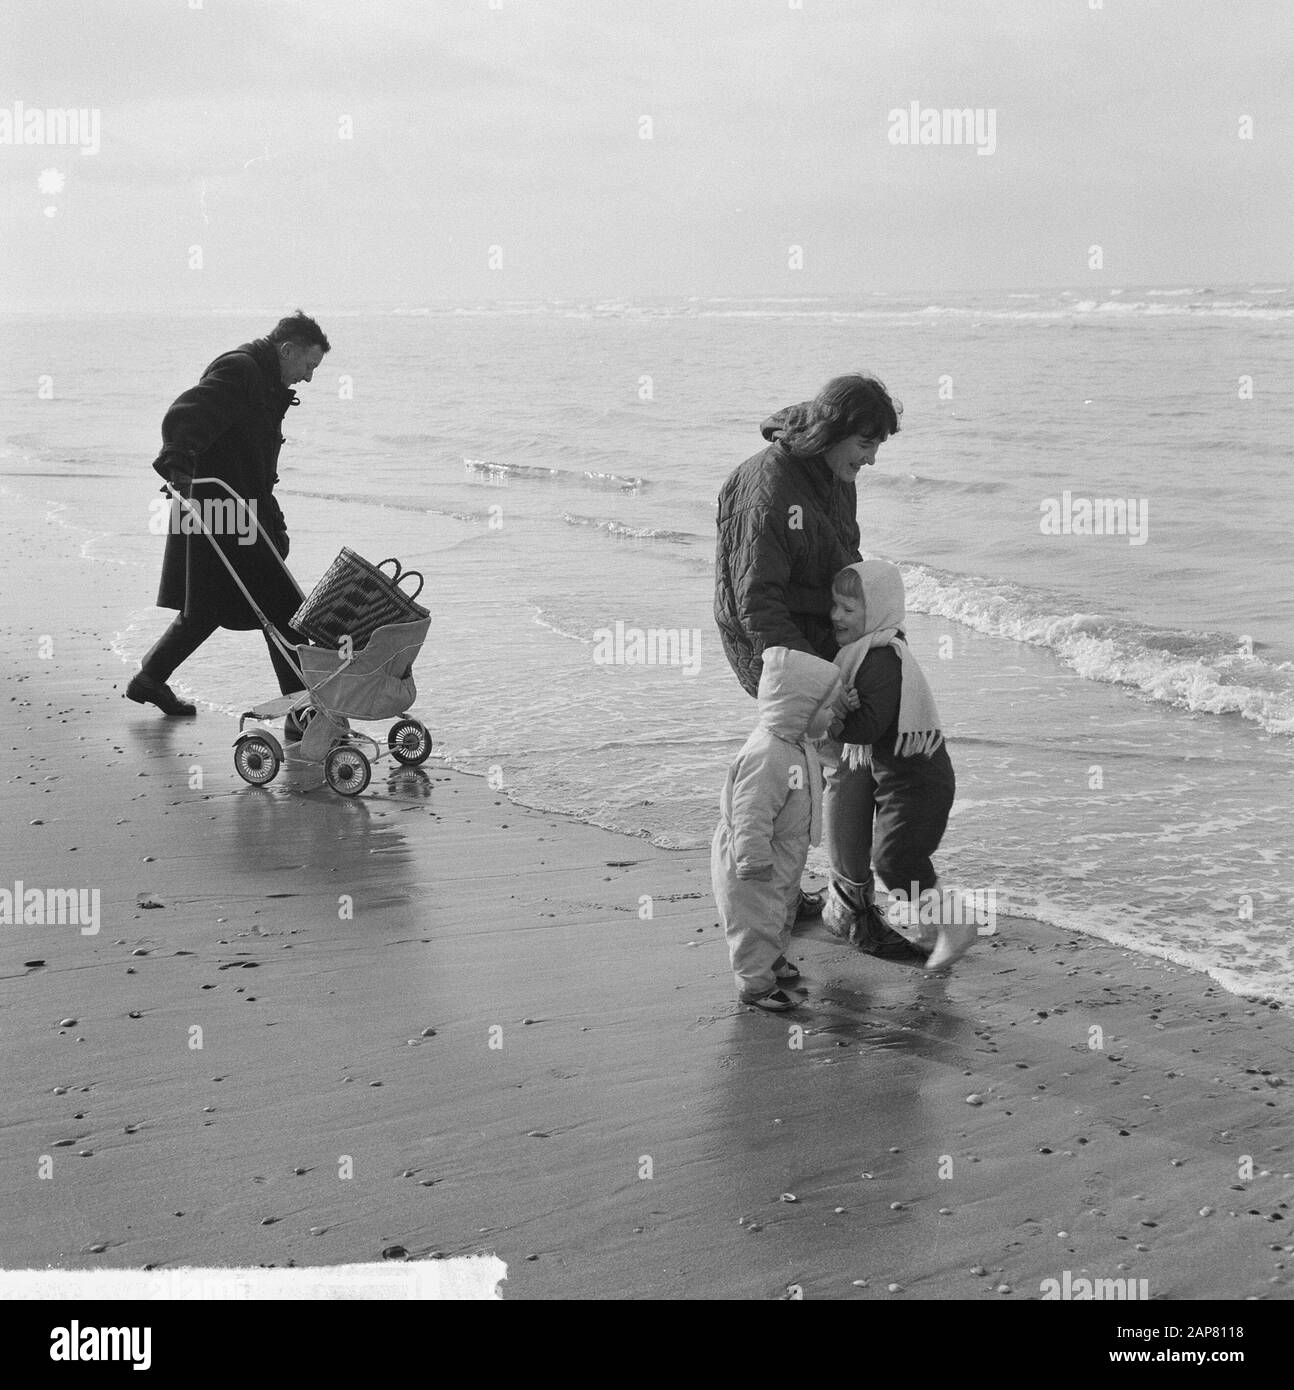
x=1119, y=697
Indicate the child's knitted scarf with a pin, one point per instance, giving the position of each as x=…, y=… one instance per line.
x=919, y=730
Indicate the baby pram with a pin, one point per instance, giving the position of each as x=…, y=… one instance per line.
x=370, y=680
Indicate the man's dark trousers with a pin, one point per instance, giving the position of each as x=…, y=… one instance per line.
x=189, y=631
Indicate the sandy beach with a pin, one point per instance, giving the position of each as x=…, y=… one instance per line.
x=430, y=1018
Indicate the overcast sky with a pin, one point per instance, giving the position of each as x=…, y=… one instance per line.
x=518, y=124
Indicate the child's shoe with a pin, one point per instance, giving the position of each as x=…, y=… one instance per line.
x=784, y=970
x=878, y=938
x=775, y=1002
x=808, y=906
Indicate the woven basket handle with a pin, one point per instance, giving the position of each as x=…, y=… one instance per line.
x=399, y=577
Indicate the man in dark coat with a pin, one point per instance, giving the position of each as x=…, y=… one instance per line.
x=788, y=523
x=229, y=427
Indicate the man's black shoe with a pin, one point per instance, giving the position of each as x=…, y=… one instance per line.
x=809, y=906
x=144, y=690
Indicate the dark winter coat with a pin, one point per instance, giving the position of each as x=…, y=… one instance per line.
x=786, y=526
x=913, y=796
x=875, y=724
x=228, y=426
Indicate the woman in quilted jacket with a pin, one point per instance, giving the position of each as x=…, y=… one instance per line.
x=788, y=523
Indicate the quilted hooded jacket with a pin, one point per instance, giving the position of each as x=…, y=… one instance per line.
x=786, y=526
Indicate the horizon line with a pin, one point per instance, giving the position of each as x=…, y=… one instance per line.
x=390, y=306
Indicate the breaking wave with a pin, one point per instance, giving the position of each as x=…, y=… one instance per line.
x=622, y=530
x=1212, y=673
x=586, y=478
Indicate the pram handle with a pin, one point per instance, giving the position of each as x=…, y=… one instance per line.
x=401, y=575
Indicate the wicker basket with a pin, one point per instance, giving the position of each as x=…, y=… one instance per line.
x=355, y=598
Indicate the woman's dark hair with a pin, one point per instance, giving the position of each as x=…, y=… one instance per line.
x=846, y=405
x=300, y=329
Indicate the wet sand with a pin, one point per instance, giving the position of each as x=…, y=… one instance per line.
x=495, y=1049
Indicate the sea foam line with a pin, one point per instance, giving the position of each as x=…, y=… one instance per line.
x=1103, y=649
x=503, y=471
x=623, y=530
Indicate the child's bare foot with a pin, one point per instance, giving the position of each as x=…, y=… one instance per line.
x=952, y=942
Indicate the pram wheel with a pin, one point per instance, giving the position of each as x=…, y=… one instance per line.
x=409, y=742
x=347, y=770
x=257, y=758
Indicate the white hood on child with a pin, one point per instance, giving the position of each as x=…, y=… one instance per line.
x=884, y=613
x=794, y=686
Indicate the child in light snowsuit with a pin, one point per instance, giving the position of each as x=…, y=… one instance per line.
x=770, y=811
x=892, y=787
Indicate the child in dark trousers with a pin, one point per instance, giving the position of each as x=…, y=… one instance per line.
x=889, y=796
